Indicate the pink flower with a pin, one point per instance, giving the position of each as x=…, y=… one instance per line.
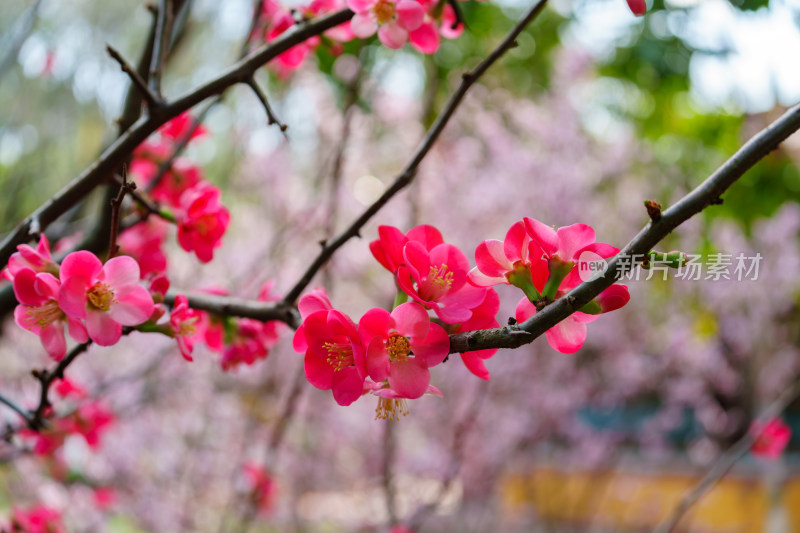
x=400, y=347
x=181, y=177
x=106, y=296
x=392, y=20
x=388, y=248
x=334, y=355
x=772, y=438
x=179, y=127
x=183, y=320
x=449, y=29
x=37, y=519
x=26, y=257
x=248, y=345
x=144, y=243
x=484, y=316
x=437, y=279
x=569, y=335
x=637, y=7
x=202, y=222
x=261, y=485
x=66, y=388
x=517, y=261
x=104, y=497
x=39, y=312
x=425, y=39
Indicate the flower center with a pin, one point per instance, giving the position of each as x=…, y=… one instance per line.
x=397, y=347
x=340, y=355
x=44, y=315
x=391, y=408
x=384, y=11
x=439, y=281
x=186, y=328
x=101, y=296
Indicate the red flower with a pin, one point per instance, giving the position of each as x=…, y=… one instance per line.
x=771, y=438
x=202, y=221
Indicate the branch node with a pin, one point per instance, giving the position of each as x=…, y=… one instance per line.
x=716, y=201
x=653, y=210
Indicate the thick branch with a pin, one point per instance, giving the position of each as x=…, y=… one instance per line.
x=407, y=175
x=227, y=305
x=115, y=154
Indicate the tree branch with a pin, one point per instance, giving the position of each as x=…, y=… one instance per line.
x=115, y=154
x=164, y=20
x=407, y=175
x=726, y=461
x=153, y=101
x=16, y=408
x=46, y=379
x=271, y=118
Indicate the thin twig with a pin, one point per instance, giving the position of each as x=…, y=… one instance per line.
x=153, y=101
x=164, y=20
x=14, y=407
x=271, y=118
x=149, y=207
x=116, y=206
x=407, y=175
x=725, y=462
x=230, y=306
x=46, y=379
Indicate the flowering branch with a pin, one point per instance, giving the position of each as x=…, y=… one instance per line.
x=705, y=194
x=408, y=173
x=46, y=379
x=113, y=157
x=725, y=462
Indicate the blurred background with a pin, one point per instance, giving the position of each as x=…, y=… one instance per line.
x=594, y=112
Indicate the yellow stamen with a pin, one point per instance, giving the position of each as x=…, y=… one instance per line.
x=391, y=408
x=397, y=347
x=44, y=315
x=384, y=11
x=101, y=296
x=340, y=355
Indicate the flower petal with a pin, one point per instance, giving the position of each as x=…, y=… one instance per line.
x=490, y=258
x=102, y=328
x=392, y=35
x=411, y=320
x=409, y=378
x=475, y=365
x=409, y=14
x=81, y=264
x=544, y=235
x=425, y=38
x=363, y=25
x=426, y=235
x=133, y=308
x=121, y=272
x=53, y=340
x=347, y=386
x=567, y=336
x=432, y=349
x=572, y=238
x=72, y=296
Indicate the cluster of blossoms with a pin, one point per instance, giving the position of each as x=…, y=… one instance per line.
x=82, y=295
x=77, y=414
x=389, y=354
x=239, y=340
x=193, y=202
x=420, y=22
x=260, y=486
x=36, y=519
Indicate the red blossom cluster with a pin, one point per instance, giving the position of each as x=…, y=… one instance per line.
x=195, y=204
x=36, y=519
x=389, y=354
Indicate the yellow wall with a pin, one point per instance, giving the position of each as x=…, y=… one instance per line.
x=629, y=500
